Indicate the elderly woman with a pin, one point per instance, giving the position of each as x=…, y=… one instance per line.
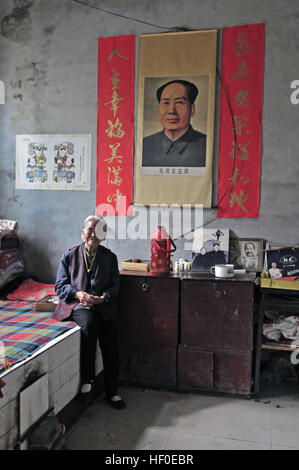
x=87, y=284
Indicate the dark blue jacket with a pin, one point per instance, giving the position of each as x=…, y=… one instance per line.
x=72, y=277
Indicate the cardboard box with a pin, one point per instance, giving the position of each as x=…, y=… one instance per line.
x=47, y=304
x=279, y=284
x=128, y=265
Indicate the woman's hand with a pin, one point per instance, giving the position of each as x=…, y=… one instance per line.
x=88, y=300
x=85, y=299
x=98, y=299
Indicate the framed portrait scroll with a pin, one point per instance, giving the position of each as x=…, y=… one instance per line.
x=176, y=118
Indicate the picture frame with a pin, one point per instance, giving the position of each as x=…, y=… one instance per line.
x=210, y=247
x=247, y=253
x=167, y=171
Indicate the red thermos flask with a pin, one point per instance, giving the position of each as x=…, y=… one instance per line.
x=161, y=251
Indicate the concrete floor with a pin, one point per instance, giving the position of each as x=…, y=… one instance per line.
x=162, y=420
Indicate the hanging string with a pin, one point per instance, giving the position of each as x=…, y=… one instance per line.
x=109, y=12
x=229, y=185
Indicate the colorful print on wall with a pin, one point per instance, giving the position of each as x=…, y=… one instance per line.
x=53, y=161
x=240, y=121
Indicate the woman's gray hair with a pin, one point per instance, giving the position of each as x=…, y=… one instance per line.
x=93, y=217
x=101, y=225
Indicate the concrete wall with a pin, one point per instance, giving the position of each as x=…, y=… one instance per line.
x=48, y=63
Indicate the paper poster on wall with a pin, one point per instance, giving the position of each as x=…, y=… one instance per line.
x=176, y=118
x=60, y=161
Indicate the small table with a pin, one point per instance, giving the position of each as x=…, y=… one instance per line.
x=278, y=300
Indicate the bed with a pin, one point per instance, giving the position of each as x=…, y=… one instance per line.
x=32, y=344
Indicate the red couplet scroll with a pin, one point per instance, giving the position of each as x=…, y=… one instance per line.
x=241, y=103
x=115, y=145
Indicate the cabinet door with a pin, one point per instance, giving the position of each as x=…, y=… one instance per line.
x=195, y=369
x=148, y=309
x=148, y=364
x=233, y=372
x=217, y=314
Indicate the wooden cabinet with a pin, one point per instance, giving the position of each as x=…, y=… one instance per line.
x=216, y=343
x=148, y=329
x=187, y=332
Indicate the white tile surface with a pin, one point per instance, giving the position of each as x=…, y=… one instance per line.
x=186, y=441
x=61, y=356
x=174, y=421
x=69, y=368
x=13, y=383
x=285, y=426
x=34, y=403
x=230, y=418
x=38, y=366
x=64, y=349
x=9, y=439
x=8, y=417
x=61, y=397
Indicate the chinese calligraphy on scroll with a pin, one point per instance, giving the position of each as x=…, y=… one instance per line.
x=115, y=167
x=240, y=121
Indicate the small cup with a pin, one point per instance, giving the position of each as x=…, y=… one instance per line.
x=223, y=270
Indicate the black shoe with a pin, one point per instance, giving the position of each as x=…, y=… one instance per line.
x=87, y=392
x=117, y=402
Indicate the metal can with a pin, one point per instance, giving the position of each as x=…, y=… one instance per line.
x=188, y=266
x=182, y=264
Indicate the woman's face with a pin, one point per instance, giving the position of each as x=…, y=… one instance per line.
x=89, y=236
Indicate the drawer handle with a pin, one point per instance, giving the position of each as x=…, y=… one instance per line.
x=144, y=287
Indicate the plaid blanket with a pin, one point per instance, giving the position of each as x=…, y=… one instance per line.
x=23, y=331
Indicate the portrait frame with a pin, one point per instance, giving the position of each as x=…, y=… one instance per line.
x=204, y=254
x=253, y=261
x=186, y=56
x=152, y=126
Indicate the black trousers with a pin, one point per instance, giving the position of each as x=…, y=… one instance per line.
x=95, y=327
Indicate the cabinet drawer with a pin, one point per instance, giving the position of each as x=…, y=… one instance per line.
x=217, y=314
x=148, y=309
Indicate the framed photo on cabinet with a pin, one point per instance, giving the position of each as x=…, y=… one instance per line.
x=247, y=253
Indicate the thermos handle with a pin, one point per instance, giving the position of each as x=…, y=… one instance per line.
x=164, y=249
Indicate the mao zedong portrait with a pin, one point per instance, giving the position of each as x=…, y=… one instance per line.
x=177, y=144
